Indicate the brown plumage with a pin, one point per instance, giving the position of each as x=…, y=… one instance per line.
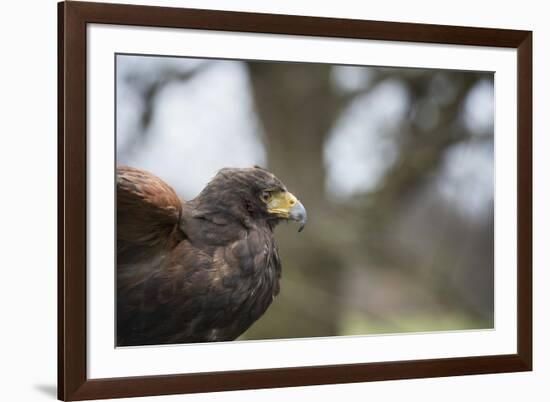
x=202, y=270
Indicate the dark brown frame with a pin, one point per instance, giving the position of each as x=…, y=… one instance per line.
x=73, y=383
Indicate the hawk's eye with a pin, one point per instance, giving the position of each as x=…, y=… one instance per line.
x=265, y=196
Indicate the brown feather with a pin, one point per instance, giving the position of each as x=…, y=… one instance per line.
x=148, y=211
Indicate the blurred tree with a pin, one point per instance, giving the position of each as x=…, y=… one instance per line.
x=298, y=106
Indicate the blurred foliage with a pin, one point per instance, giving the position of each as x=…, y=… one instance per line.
x=409, y=249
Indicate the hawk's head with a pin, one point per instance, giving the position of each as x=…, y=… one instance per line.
x=254, y=192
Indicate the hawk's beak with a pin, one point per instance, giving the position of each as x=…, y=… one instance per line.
x=287, y=206
x=298, y=213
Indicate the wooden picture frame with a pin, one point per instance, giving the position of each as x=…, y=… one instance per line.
x=73, y=382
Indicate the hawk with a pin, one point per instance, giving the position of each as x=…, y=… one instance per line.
x=201, y=270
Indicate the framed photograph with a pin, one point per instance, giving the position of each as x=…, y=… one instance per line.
x=253, y=200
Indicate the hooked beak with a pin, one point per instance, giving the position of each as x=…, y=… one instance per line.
x=298, y=213
x=285, y=205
